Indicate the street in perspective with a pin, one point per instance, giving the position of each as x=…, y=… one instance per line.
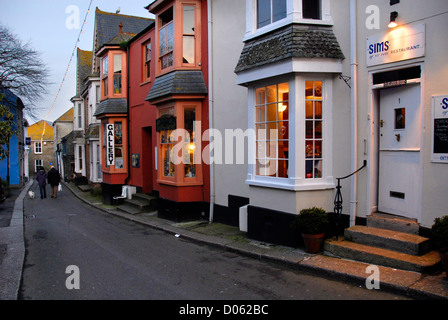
x=118, y=259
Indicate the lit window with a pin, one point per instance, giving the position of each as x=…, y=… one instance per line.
x=313, y=129
x=272, y=130
x=118, y=143
x=269, y=11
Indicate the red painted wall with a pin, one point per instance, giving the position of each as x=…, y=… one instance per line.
x=142, y=116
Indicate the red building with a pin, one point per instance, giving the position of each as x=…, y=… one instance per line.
x=153, y=122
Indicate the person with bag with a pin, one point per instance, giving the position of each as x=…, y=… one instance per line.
x=54, y=178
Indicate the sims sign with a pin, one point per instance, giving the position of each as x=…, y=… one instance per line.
x=403, y=43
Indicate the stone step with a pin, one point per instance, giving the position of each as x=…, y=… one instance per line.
x=146, y=197
x=388, y=239
x=341, y=248
x=142, y=205
x=129, y=209
x=392, y=222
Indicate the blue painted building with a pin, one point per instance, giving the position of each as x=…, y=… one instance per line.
x=16, y=146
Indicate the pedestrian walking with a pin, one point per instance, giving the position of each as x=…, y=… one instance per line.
x=42, y=181
x=54, y=178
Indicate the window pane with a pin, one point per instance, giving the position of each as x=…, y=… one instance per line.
x=117, y=83
x=279, y=10
x=309, y=109
x=313, y=129
x=118, y=134
x=318, y=106
x=272, y=127
x=311, y=9
x=188, y=49
x=117, y=63
x=263, y=13
x=188, y=19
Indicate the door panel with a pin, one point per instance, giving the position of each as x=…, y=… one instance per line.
x=399, y=151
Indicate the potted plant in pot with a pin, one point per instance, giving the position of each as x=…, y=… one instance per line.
x=439, y=232
x=312, y=223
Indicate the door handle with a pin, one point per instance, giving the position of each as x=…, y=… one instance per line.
x=398, y=137
x=381, y=123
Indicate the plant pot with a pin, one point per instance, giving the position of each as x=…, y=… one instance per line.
x=443, y=253
x=313, y=242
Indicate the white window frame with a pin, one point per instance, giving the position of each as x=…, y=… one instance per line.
x=294, y=14
x=38, y=165
x=36, y=147
x=81, y=156
x=296, y=180
x=95, y=160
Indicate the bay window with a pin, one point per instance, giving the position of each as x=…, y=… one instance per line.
x=179, y=144
x=292, y=144
x=178, y=36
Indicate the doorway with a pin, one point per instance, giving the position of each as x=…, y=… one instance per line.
x=399, y=151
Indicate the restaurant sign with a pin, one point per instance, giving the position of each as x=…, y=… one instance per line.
x=403, y=43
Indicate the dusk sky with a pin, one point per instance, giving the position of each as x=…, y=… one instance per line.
x=52, y=31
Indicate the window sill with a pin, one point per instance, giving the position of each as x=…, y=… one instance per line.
x=181, y=184
x=288, y=184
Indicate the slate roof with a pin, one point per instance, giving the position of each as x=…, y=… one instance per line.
x=114, y=106
x=67, y=116
x=107, y=26
x=178, y=82
x=292, y=41
x=83, y=69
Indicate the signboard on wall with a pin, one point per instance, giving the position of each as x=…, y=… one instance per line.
x=110, y=144
x=403, y=43
x=440, y=129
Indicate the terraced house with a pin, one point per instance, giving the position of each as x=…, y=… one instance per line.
x=275, y=106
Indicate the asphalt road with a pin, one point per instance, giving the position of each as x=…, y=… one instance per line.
x=118, y=259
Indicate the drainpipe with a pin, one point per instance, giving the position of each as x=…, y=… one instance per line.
x=210, y=107
x=354, y=113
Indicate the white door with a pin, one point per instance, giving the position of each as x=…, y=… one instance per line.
x=399, y=151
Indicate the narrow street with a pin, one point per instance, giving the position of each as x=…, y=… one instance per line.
x=118, y=259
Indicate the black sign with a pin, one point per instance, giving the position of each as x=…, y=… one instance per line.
x=441, y=136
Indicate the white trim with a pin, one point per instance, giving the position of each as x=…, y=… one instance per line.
x=302, y=65
x=293, y=15
x=296, y=170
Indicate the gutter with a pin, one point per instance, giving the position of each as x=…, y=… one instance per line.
x=354, y=113
x=210, y=108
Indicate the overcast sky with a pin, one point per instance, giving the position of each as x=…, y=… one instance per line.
x=52, y=32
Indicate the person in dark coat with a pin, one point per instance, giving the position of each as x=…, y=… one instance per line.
x=54, y=178
x=42, y=181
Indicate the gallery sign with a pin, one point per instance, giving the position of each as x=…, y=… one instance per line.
x=440, y=129
x=403, y=43
x=110, y=144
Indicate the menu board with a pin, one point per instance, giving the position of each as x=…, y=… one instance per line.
x=440, y=129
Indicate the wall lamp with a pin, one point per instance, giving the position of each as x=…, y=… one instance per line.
x=393, y=17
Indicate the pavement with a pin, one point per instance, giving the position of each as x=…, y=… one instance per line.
x=412, y=284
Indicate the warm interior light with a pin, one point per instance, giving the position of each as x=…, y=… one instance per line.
x=393, y=17
x=192, y=147
x=282, y=107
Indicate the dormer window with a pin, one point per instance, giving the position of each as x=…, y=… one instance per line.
x=269, y=11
